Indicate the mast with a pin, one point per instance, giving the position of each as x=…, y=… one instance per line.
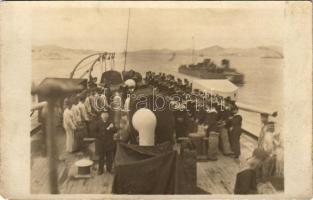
x=101, y=61
x=126, y=40
x=193, y=51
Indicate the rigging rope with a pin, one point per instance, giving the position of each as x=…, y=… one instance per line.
x=101, y=61
x=84, y=74
x=113, y=61
x=79, y=68
x=101, y=58
x=105, y=61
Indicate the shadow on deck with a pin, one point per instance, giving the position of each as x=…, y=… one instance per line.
x=68, y=184
x=216, y=177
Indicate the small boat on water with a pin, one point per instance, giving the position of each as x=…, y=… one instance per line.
x=209, y=70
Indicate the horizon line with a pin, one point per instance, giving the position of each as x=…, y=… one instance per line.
x=64, y=47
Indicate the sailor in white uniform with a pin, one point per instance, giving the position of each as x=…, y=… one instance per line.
x=88, y=107
x=130, y=84
x=69, y=126
x=85, y=120
x=78, y=123
x=83, y=109
x=104, y=101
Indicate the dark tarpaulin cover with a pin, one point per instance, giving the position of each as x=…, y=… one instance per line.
x=246, y=182
x=144, y=170
x=111, y=77
x=154, y=170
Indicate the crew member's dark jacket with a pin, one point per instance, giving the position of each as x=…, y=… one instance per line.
x=181, y=125
x=212, y=122
x=235, y=133
x=104, y=137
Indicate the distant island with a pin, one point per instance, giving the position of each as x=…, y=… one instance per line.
x=262, y=52
x=272, y=57
x=265, y=52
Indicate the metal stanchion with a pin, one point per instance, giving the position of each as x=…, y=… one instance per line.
x=54, y=90
x=51, y=146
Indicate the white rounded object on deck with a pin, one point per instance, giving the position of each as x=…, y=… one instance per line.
x=144, y=121
x=130, y=83
x=83, y=163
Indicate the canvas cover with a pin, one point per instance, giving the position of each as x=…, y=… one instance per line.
x=144, y=170
x=222, y=87
x=111, y=77
x=154, y=170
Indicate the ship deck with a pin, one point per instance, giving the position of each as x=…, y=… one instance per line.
x=215, y=177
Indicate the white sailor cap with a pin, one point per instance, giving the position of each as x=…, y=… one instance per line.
x=130, y=83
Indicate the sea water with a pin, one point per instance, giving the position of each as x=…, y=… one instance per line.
x=263, y=76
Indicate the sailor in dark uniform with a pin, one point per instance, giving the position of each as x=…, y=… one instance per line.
x=246, y=179
x=105, y=145
x=234, y=136
x=212, y=117
x=181, y=117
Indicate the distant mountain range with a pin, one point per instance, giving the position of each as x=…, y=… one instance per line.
x=262, y=51
x=57, y=52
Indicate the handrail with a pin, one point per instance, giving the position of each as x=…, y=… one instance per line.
x=256, y=109
x=38, y=106
x=251, y=127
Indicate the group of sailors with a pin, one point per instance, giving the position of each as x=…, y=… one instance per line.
x=86, y=115
x=217, y=118
x=89, y=114
x=201, y=113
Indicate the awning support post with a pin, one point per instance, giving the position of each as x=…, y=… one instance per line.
x=51, y=146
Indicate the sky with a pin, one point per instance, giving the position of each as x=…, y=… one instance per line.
x=156, y=28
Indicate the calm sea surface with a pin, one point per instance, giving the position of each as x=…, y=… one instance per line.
x=262, y=88
x=263, y=77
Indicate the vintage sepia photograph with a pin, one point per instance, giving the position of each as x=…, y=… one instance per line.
x=140, y=100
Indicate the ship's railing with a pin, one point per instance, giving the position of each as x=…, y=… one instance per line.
x=34, y=115
x=38, y=106
x=251, y=116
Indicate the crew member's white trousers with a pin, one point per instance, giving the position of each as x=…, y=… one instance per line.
x=69, y=140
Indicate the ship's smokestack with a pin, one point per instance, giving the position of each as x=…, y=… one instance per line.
x=225, y=64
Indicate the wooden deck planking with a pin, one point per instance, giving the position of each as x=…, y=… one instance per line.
x=216, y=177
x=67, y=183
